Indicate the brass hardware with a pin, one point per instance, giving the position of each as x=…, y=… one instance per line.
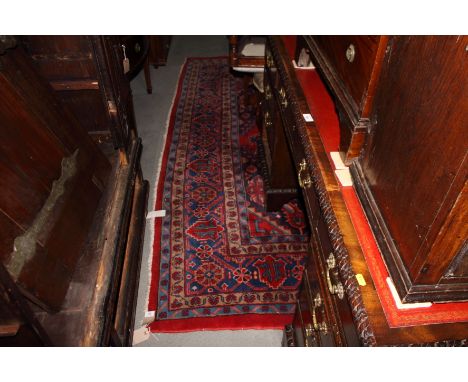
x=267, y=92
x=307, y=182
x=284, y=101
x=269, y=60
x=336, y=289
x=318, y=300
x=350, y=53
x=111, y=107
x=309, y=330
x=268, y=122
x=319, y=326
x=310, y=337
x=137, y=48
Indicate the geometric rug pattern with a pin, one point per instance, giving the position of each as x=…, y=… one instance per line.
x=220, y=260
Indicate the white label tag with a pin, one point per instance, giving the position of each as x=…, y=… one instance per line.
x=149, y=317
x=308, y=118
x=156, y=214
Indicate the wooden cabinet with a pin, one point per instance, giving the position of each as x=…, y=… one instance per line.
x=413, y=170
x=72, y=212
x=351, y=67
x=340, y=303
x=87, y=74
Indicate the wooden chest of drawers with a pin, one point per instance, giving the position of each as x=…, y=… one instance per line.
x=278, y=171
x=338, y=304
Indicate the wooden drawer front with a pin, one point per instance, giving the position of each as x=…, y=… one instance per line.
x=320, y=310
x=303, y=323
x=301, y=167
x=345, y=332
x=352, y=58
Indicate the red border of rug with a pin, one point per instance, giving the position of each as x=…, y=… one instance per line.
x=233, y=322
x=322, y=108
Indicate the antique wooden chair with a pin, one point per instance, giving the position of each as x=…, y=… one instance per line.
x=247, y=55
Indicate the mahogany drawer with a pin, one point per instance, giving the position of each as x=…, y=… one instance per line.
x=352, y=58
x=327, y=265
x=301, y=166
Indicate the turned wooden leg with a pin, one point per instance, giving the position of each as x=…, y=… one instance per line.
x=146, y=69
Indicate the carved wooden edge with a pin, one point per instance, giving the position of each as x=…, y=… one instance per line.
x=445, y=343
x=98, y=326
x=288, y=337
x=350, y=283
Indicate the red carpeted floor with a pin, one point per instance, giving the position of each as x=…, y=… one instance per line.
x=220, y=261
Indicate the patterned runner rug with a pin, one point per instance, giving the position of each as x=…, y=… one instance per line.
x=220, y=261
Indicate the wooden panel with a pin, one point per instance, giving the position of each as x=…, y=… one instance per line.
x=45, y=276
x=414, y=160
x=30, y=158
x=9, y=230
x=10, y=318
x=62, y=57
x=96, y=117
x=355, y=75
x=51, y=175
x=159, y=49
x=127, y=299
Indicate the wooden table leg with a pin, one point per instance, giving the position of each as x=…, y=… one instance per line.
x=146, y=69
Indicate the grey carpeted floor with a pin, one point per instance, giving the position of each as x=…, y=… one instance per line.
x=151, y=112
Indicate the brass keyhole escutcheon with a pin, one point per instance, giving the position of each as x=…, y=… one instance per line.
x=350, y=53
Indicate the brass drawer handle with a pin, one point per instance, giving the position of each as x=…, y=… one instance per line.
x=316, y=326
x=284, y=101
x=137, y=48
x=309, y=330
x=336, y=289
x=350, y=53
x=307, y=182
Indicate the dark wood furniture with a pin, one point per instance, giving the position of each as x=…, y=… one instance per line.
x=72, y=211
x=237, y=59
x=87, y=74
x=159, y=50
x=351, y=67
x=277, y=168
x=412, y=174
x=136, y=50
x=335, y=307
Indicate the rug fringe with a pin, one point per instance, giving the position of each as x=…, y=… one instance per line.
x=154, y=198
